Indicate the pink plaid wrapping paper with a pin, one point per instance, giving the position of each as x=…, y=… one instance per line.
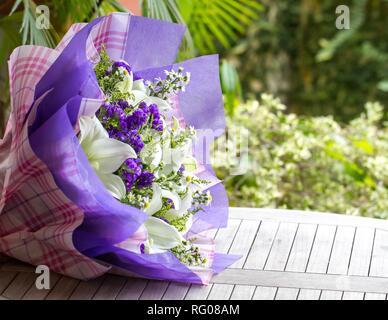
x=36, y=219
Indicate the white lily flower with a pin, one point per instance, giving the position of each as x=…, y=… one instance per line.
x=162, y=236
x=139, y=93
x=105, y=155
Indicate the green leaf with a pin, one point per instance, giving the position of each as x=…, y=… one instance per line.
x=364, y=145
x=231, y=86
x=211, y=24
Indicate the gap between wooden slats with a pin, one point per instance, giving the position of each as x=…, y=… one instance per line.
x=40, y=294
x=19, y=286
x=348, y=295
x=110, y=288
x=301, y=250
x=264, y=293
x=85, y=290
x=281, y=247
x=261, y=246
x=132, y=289
x=379, y=261
x=330, y=295
x=63, y=289
x=176, y=291
x=220, y=292
x=375, y=296
x=309, y=294
x=286, y=294
x=362, y=252
x=322, y=246
x=6, y=278
x=242, y=242
x=342, y=249
x=154, y=290
x=241, y=292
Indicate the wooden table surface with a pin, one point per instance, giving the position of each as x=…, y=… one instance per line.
x=286, y=255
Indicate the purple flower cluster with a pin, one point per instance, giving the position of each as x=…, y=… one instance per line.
x=133, y=174
x=157, y=123
x=127, y=67
x=125, y=126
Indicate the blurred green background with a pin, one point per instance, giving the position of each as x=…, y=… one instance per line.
x=312, y=97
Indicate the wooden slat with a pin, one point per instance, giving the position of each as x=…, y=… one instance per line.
x=63, y=289
x=154, y=290
x=242, y=292
x=348, y=295
x=286, y=294
x=243, y=241
x=262, y=245
x=264, y=293
x=40, y=294
x=281, y=247
x=224, y=237
x=176, y=291
x=375, y=296
x=320, y=253
x=197, y=292
x=379, y=263
x=361, y=252
x=302, y=280
x=86, y=289
x=342, y=249
x=330, y=295
x=309, y=294
x=6, y=278
x=19, y=286
x=301, y=249
x=297, y=216
x=132, y=289
x=110, y=288
x=220, y=292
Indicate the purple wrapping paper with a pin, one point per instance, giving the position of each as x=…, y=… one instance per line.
x=150, y=48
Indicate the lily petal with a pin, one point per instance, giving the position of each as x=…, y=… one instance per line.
x=109, y=154
x=139, y=85
x=90, y=130
x=163, y=105
x=114, y=185
x=156, y=201
x=138, y=96
x=163, y=235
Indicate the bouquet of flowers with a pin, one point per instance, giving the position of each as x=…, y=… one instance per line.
x=103, y=163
